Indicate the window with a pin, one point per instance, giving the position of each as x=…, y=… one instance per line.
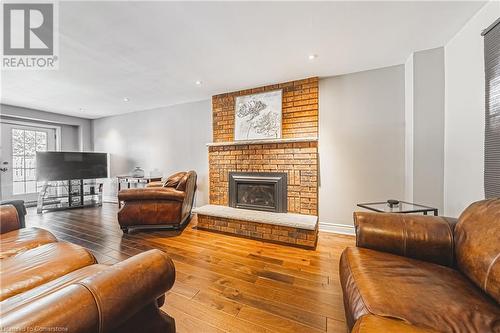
x=25, y=144
x=492, y=117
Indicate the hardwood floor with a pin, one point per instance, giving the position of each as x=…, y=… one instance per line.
x=223, y=283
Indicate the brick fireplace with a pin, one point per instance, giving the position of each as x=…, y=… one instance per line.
x=295, y=155
x=298, y=159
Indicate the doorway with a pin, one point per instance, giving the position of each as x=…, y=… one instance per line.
x=18, y=147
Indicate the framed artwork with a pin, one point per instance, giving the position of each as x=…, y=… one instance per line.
x=258, y=116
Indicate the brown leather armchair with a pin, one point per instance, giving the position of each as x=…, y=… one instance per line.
x=165, y=205
x=46, y=285
x=413, y=273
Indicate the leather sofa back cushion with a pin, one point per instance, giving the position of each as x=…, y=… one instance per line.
x=174, y=179
x=477, y=244
x=21, y=240
x=181, y=186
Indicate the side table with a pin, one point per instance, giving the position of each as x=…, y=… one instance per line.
x=403, y=207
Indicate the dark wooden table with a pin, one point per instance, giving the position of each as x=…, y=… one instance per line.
x=131, y=179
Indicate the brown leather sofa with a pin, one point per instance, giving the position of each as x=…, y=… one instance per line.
x=46, y=285
x=413, y=273
x=165, y=205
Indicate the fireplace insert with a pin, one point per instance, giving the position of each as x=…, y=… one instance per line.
x=266, y=191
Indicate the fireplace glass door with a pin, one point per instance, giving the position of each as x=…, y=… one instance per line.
x=261, y=195
x=264, y=191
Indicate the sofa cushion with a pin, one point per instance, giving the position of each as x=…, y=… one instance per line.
x=376, y=324
x=423, y=294
x=21, y=240
x=40, y=265
x=19, y=300
x=174, y=179
x=477, y=245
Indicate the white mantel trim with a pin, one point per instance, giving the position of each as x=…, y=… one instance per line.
x=261, y=142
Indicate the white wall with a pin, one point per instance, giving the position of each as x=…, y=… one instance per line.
x=464, y=112
x=164, y=140
x=69, y=138
x=75, y=132
x=362, y=142
x=424, y=128
x=428, y=127
x=409, y=156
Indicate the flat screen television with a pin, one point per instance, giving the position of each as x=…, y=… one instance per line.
x=60, y=165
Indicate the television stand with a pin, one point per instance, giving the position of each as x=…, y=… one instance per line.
x=69, y=194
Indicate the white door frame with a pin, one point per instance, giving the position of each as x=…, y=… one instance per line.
x=57, y=130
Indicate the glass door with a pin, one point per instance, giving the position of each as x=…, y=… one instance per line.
x=18, y=149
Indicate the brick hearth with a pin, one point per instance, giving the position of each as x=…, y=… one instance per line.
x=270, y=232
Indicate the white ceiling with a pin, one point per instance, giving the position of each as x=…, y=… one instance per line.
x=153, y=52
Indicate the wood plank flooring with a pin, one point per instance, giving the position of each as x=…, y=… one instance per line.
x=223, y=283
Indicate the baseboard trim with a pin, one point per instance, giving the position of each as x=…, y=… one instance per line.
x=337, y=228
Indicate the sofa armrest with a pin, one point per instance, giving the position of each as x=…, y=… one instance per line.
x=9, y=219
x=428, y=238
x=101, y=302
x=125, y=288
x=151, y=194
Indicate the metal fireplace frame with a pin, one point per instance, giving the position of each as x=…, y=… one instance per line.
x=278, y=179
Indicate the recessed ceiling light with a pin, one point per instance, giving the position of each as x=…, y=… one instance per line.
x=125, y=99
x=198, y=83
x=312, y=56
